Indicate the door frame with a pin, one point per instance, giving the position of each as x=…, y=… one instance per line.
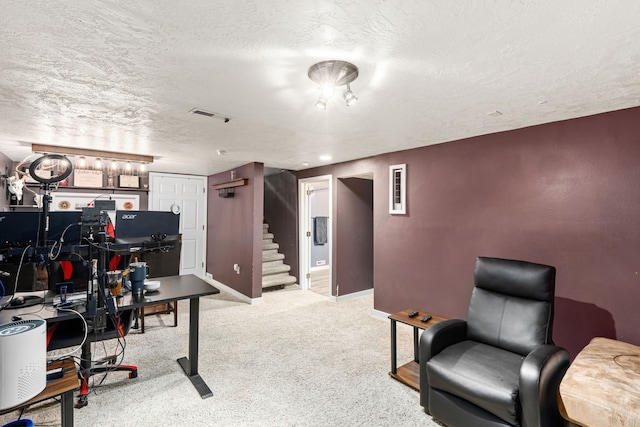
x=203, y=235
x=305, y=226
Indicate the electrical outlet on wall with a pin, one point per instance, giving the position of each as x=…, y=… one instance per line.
x=236, y=268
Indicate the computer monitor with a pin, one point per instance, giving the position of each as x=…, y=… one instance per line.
x=26, y=277
x=75, y=274
x=133, y=227
x=19, y=229
x=61, y=221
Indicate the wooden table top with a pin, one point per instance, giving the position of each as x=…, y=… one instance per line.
x=403, y=317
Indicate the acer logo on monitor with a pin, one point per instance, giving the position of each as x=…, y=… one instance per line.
x=146, y=226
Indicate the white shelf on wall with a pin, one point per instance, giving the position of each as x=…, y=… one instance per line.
x=61, y=201
x=112, y=189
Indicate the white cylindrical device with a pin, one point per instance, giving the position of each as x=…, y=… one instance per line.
x=23, y=361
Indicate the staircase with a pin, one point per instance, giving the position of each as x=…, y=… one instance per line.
x=275, y=273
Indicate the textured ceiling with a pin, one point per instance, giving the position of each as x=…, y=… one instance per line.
x=122, y=76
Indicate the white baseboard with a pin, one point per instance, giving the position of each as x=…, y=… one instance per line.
x=379, y=314
x=233, y=292
x=352, y=295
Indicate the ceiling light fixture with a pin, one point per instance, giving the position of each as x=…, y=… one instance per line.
x=330, y=74
x=72, y=151
x=108, y=159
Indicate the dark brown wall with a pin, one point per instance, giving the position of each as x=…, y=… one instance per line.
x=234, y=231
x=354, y=224
x=280, y=212
x=564, y=194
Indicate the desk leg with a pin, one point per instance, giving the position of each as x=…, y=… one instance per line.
x=190, y=365
x=66, y=409
x=394, y=361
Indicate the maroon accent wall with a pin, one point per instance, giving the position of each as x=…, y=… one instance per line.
x=281, y=212
x=234, y=231
x=565, y=194
x=354, y=225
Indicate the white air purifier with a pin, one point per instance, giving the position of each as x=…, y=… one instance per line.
x=23, y=361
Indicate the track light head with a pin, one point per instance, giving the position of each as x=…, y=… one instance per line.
x=321, y=103
x=349, y=97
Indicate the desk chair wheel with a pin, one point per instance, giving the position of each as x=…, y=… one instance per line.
x=81, y=402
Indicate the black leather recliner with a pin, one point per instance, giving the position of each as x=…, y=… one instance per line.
x=500, y=367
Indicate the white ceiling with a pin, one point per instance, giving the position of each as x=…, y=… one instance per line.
x=123, y=75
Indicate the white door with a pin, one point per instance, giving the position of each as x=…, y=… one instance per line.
x=187, y=193
x=306, y=187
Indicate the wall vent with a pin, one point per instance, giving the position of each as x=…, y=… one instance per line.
x=209, y=114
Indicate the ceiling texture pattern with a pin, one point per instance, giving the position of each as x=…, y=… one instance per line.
x=123, y=76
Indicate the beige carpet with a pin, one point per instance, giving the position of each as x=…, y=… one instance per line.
x=294, y=360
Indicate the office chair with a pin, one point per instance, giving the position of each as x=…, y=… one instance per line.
x=70, y=333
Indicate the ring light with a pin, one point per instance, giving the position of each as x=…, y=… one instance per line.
x=44, y=171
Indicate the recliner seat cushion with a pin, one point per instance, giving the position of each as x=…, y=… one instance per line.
x=481, y=374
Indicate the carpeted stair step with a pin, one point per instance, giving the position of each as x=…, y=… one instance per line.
x=273, y=263
x=275, y=273
x=278, y=280
x=275, y=269
x=266, y=246
x=271, y=255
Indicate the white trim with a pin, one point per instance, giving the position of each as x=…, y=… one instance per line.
x=399, y=207
x=379, y=314
x=231, y=291
x=351, y=295
x=304, y=226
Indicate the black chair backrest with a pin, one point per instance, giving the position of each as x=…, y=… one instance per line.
x=511, y=304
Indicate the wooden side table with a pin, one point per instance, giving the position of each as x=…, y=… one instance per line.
x=62, y=387
x=601, y=388
x=409, y=373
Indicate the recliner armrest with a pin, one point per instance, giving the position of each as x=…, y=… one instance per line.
x=540, y=376
x=440, y=336
x=434, y=339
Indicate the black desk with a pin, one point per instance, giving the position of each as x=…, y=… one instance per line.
x=172, y=288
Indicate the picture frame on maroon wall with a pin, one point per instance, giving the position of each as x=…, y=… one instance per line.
x=398, y=189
